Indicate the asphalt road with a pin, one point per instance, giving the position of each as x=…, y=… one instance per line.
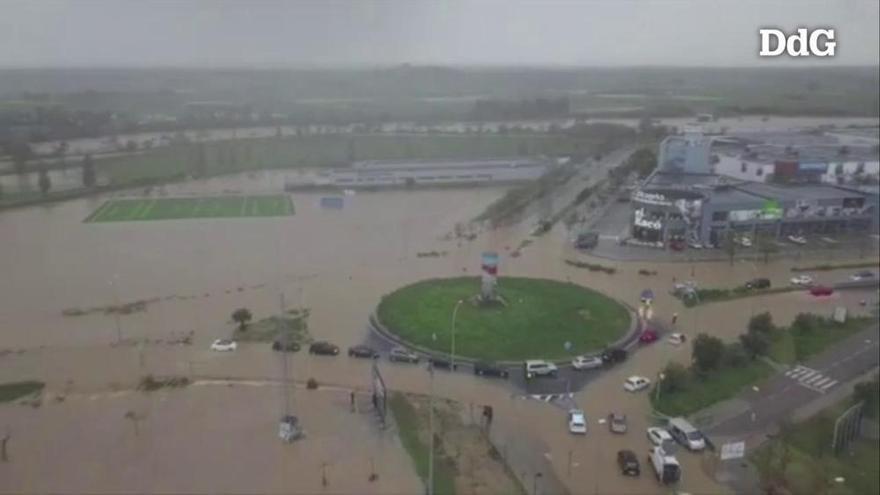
x=786, y=392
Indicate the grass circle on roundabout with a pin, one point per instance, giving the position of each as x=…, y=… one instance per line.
x=535, y=321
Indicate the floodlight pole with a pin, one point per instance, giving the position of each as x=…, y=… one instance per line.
x=454, y=314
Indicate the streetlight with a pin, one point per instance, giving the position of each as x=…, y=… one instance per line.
x=660, y=377
x=535, y=482
x=454, y=314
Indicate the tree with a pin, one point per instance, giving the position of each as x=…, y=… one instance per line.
x=674, y=378
x=44, y=182
x=735, y=355
x=730, y=246
x=766, y=246
x=242, y=316
x=88, y=172
x=869, y=394
x=754, y=343
x=707, y=352
x=762, y=323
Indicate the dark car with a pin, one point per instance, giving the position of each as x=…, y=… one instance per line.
x=362, y=351
x=324, y=348
x=401, y=355
x=758, y=283
x=285, y=346
x=587, y=240
x=614, y=355
x=628, y=463
x=443, y=364
x=489, y=369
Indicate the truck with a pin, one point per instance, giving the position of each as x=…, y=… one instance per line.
x=666, y=466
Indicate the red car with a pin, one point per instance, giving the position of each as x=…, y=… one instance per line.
x=821, y=290
x=648, y=336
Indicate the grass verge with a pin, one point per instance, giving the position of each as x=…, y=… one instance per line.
x=699, y=392
x=797, y=343
x=812, y=468
x=705, y=296
x=409, y=427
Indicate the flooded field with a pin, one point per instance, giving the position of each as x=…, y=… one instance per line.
x=190, y=275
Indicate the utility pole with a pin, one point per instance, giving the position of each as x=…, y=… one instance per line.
x=431, y=432
x=454, y=314
x=284, y=366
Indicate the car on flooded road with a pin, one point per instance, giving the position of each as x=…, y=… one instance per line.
x=285, y=346
x=628, y=463
x=224, y=345
x=586, y=362
x=362, y=351
x=402, y=355
x=539, y=367
x=490, y=369
x=614, y=355
x=676, y=338
x=658, y=436
x=442, y=363
x=821, y=291
x=636, y=383
x=617, y=423
x=648, y=336
x=862, y=275
x=323, y=348
x=577, y=422
x=802, y=280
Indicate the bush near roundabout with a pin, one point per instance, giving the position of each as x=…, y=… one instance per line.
x=534, y=320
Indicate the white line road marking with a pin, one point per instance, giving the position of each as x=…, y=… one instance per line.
x=822, y=382
x=807, y=375
x=829, y=385
x=813, y=379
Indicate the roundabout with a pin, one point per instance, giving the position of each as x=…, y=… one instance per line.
x=530, y=319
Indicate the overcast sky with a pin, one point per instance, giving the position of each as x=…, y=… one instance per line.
x=255, y=33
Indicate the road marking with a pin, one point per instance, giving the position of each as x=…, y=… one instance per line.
x=829, y=385
x=822, y=382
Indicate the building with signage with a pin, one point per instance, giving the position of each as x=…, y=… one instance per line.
x=705, y=208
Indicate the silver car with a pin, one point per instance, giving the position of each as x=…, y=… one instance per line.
x=617, y=422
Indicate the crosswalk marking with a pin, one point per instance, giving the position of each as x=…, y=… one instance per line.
x=811, y=379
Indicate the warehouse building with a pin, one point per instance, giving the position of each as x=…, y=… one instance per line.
x=435, y=173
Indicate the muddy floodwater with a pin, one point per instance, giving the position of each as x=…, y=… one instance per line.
x=189, y=275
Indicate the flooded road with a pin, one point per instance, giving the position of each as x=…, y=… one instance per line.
x=191, y=275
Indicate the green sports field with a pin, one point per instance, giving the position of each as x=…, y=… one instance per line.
x=128, y=210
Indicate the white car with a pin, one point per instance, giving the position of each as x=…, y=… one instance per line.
x=695, y=245
x=802, y=280
x=676, y=338
x=745, y=241
x=659, y=436
x=224, y=345
x=586, y=362
x=797, y=239
x=538, y=367
x=577, y=422
x=863, y=275
x=636, y=383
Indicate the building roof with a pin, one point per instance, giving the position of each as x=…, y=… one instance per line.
x=796, y=192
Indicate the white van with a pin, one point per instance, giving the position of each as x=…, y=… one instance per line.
x=685, y=434
x=666, y=466
x=537, y=367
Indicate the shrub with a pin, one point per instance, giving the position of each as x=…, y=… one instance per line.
x=736, y=354
x=707, y=352
x=674, y=378
x=312, y=384
x=762, y=323
x=754, y=343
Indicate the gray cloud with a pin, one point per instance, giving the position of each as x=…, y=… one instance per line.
x=258, y=33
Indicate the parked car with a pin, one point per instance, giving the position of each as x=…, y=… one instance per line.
x=659, y=436
x=797, y=239
x=401, y=355
x=323, y=348
x=224, y=345
x=821, y=290
x=628, y=463
x=666, y=466
x=587, y=240
x=613, y=355
x=586, y=362
x=362, y=351
x=443, y=364
x=648, y=335
x=686, y=434
x=744, y=241
x=862, y=275
x=695, y=245
x=636, y=383
x=758, y=283
x=802, y=280
x=577, y=422
x=537, y=367
x=617, y=422
x=676, y=338
x=287, y=346
x=489, y=369
x=677, y=245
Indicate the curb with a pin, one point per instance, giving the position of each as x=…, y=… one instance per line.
x=626, y=342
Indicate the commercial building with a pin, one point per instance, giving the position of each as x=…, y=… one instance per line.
x=434, y=173
x=700, y=206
